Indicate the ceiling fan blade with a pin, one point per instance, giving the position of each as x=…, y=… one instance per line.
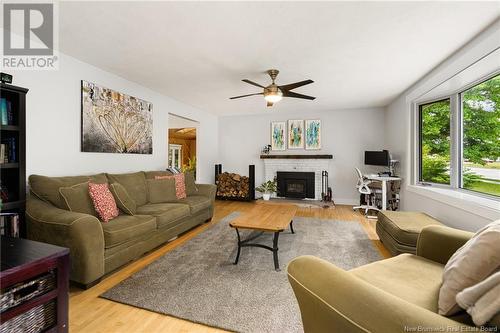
x=295, y=95
x=252, y=83
x=295, y=85
x=246, y=95
x=269, y=104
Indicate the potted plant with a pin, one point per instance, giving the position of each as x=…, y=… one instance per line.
x=267, y=188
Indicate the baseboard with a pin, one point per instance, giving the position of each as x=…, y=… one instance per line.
x=346, y=201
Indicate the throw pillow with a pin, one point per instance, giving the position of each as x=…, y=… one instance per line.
x=76, y=198
x=104, y=202
x=191, y=188
x=123, y=199
x=161, y=190
x=180, y=185
x=471, y=264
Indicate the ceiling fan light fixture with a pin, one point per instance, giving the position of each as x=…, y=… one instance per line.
x=274, y=97
x=274, y=93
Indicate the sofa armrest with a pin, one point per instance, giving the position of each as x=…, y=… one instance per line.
x=438, y=243
x=207, y=190
x=333, y=300
x=81, y=233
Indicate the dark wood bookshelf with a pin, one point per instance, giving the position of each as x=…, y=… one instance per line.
x=13, y=205
x=9, y=128
x=9, y=165
x=13, y=135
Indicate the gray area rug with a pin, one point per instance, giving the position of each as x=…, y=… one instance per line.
x=198, y=282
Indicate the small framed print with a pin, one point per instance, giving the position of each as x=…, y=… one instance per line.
x=313, y=134
x=278, y=135
x=295, y=134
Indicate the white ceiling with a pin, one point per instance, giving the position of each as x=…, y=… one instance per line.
x=360, y=54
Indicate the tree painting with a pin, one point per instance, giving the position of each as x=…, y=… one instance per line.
x=113, y=122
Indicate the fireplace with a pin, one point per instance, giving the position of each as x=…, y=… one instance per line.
x=295, y=184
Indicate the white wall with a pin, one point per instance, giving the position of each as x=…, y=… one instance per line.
x=53, y=124
x=398, y=132
x=346, y=134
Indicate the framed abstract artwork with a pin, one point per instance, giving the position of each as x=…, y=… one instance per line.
x=295, y=134
x=113, y=122
x=313, y=134
x=278, y=135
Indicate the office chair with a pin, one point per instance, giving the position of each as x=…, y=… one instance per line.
x=363, y=187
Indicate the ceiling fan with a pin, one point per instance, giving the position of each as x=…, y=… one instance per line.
x=273, y=93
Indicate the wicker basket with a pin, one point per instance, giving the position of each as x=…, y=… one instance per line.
x=26, y=290
x=34, y=320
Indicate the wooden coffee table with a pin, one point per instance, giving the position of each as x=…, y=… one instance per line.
x=264, y=218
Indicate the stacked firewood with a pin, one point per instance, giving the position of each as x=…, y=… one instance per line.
x=232, y=185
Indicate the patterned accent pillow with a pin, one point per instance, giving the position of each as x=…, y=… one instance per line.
x=104, y=202
x=180, y=184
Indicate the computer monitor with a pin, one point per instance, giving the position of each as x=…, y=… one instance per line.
x=381, y=158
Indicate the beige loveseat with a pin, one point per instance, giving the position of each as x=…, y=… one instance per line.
x=98, y=248
x=399, y=294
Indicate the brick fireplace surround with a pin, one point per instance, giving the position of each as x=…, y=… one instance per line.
x=298, y=163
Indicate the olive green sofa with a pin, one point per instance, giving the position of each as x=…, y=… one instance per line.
x=399, y=294
x=98, y=248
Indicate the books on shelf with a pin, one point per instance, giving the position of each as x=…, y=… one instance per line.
x=8, y=150
x=9, y=224
x=6, y=112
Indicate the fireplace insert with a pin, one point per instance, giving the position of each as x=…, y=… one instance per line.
x=293, y=184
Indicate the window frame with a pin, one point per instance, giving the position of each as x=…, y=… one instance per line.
x=419, y=136
x=456, y=139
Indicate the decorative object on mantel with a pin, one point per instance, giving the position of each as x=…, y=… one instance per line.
x=233, y=186
x=298, y=157
x=295, y=134
x=5, y=78
x=267, y=188
x=313, y=134
x=278, y=135
x=274, y=93
x=266, y=149
x=113, y=122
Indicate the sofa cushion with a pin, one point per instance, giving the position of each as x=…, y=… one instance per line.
x=166, y=214
x=153, y=174
x=123, y=199
x=405, y=227
x=77, y=199
x=196, y=203
x=180, y=184
x=161, y=190
x=134, y=183
x=415, y=279
x=126, y=227
x=47, y=188
x=104, y=202
x=191, y=188
x=472, y=263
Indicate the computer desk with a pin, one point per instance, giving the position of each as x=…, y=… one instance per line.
x=383, y=180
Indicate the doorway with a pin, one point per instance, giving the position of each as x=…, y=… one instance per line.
x=182, y=143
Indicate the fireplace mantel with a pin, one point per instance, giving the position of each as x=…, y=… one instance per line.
x=298, y=157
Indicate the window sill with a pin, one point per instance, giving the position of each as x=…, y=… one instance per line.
x=484, y=207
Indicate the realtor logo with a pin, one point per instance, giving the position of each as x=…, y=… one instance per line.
x=29, y=36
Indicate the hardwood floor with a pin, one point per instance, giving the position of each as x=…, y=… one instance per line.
x=89, y=313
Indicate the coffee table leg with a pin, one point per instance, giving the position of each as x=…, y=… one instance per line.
x=239, y=247
x=275, y=251
x=291, y=227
